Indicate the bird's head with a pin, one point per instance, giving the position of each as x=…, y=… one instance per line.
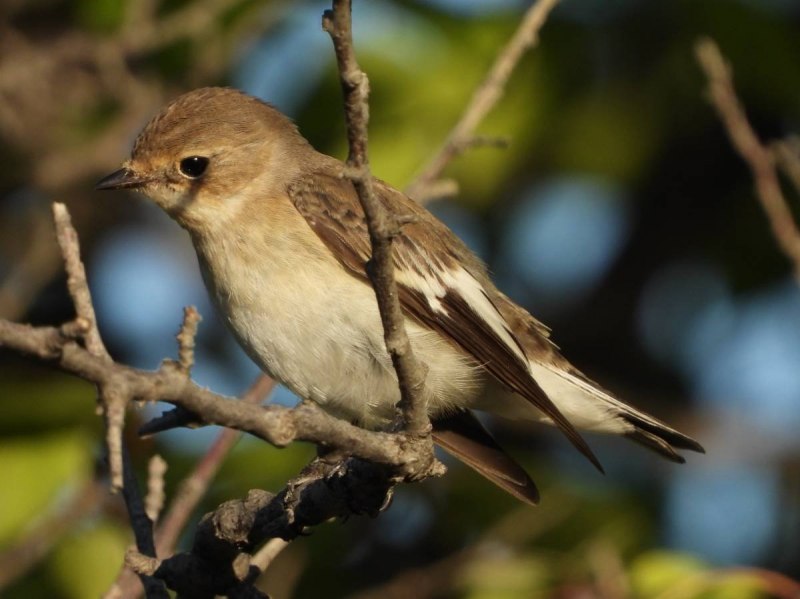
x=209, y=150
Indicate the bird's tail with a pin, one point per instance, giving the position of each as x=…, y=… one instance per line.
x=590, y=407
x=655, y=435
x=462, y=435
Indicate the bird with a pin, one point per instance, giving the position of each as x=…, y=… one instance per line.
x=283, y=249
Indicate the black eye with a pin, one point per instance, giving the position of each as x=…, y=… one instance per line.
x=194, y=166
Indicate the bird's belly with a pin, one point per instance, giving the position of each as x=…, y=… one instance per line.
x=320, y=335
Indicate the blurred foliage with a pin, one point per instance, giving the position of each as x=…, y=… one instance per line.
x=611, y=91
x=86, y=562
x=60, y=461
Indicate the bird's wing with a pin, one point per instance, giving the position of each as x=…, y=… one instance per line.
x=440, y=282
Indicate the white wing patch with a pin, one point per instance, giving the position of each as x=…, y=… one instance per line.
x=431, y=287
x=458, y=281
x=465, y=285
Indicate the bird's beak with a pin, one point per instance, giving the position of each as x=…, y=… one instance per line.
x=123, y=178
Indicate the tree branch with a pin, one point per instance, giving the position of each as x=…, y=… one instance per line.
x=483, y=100
x=757, y=156
x=277, y=425
x=142, y=526
x=190, y=491
x=233, y=531
x=361, y=484
x=383, y=227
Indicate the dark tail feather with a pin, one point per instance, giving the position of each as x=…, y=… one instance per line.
x=659, y=437
x=657, y=444
x=463, y=436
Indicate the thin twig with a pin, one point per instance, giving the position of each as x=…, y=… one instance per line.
x=382, y=227
x=484, y=98
x=142, y=526
x=190, y=491
x=757, y=156
x=787, y=153
x=113, y=404
x=84, y=328
x=267, y=554
x=185, y=337
x=76, y=281
x=154, y=500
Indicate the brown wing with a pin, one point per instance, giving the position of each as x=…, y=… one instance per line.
x=440, y=282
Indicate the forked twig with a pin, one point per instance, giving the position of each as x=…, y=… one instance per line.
x=757, y=156
x=484, y=98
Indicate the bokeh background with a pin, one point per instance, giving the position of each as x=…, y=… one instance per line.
x=618, y=213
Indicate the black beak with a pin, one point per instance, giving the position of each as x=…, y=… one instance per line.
x=122, y=179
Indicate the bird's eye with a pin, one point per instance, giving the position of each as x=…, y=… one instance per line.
x=194, y=166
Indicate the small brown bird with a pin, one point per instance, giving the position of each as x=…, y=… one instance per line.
x=282, y=246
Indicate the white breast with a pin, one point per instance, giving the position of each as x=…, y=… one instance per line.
x=315, y=327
